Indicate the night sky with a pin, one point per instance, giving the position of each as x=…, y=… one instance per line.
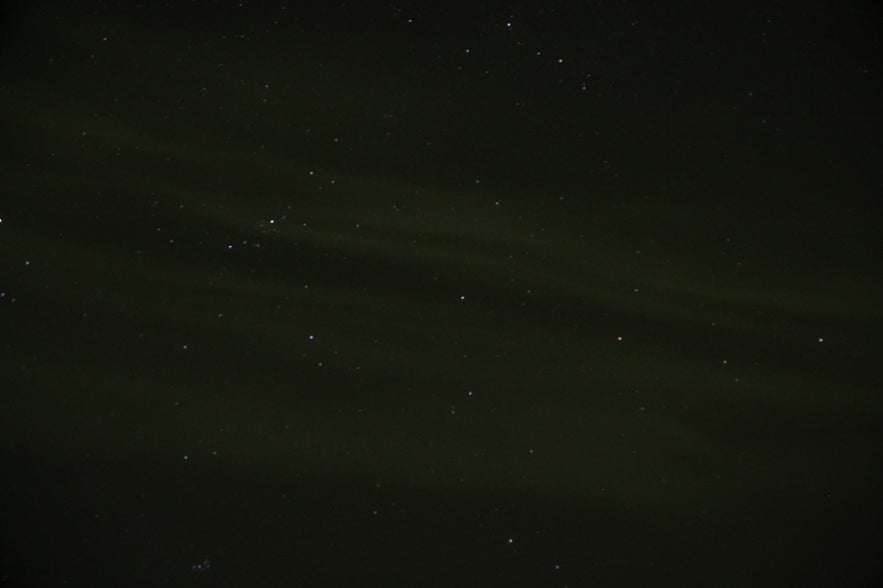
x=441, y=294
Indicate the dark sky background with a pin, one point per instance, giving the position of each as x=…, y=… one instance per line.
x=451, y=294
